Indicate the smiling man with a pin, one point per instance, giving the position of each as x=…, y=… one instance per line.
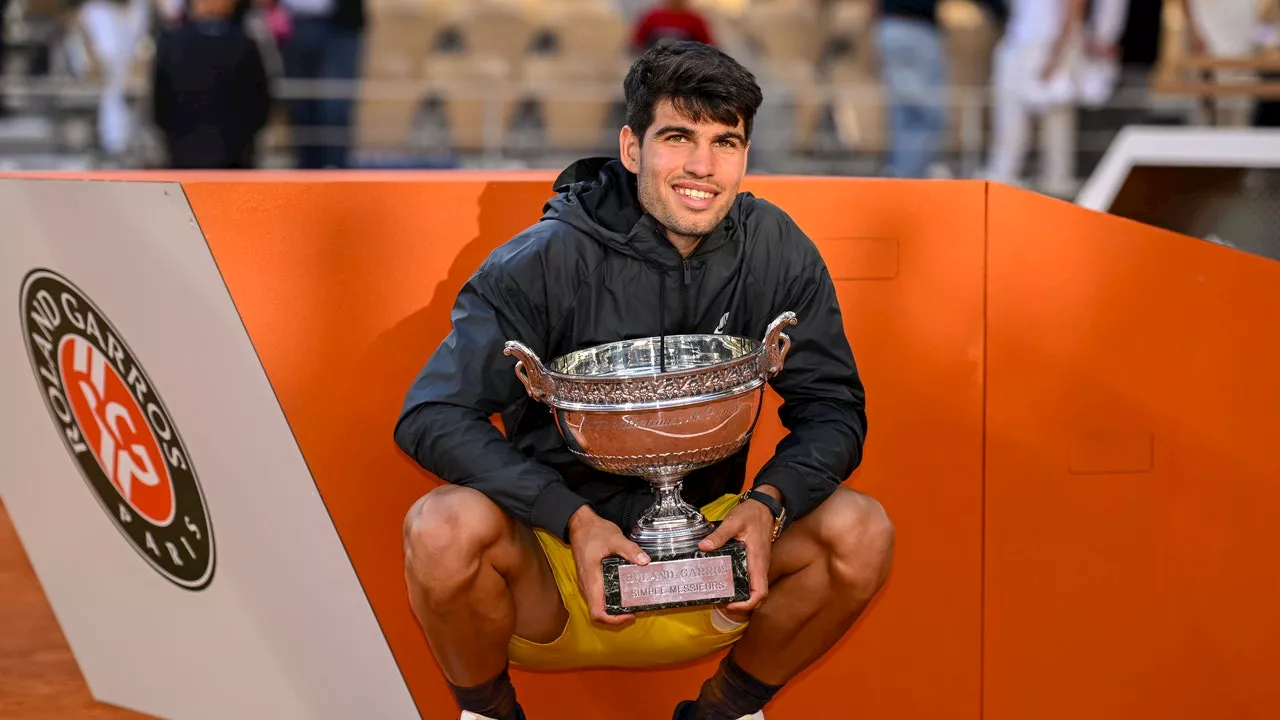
x=503, y=562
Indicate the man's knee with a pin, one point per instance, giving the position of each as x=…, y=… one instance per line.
x=859, y=538
x=448, y=534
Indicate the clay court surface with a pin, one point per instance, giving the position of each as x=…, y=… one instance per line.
x=39, y=679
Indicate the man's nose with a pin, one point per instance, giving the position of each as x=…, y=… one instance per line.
x=701, y=161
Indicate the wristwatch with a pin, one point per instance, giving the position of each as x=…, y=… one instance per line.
x=775, y=507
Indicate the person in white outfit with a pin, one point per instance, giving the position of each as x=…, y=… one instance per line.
x=1034, y=74
x=1224, y=29
x=114, y=30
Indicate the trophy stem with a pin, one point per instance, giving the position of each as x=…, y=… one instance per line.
x=671, y=525
x=667, y=481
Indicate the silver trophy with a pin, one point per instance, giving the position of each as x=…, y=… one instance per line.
x=659, y=408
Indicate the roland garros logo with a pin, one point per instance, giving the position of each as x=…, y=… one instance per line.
x=117, y=429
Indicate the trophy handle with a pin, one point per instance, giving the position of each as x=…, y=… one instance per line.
x=777, y=344
x=529, y=369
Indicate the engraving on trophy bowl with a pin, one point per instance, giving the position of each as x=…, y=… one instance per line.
x=659, y=408
x=661, y=441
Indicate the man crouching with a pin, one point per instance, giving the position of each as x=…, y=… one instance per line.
x=503, y=563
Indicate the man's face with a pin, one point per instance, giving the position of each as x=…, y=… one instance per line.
x=688, y=172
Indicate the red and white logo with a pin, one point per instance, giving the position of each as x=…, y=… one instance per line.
x=117, y=429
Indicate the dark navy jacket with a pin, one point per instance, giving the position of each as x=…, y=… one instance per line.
x=595, y=269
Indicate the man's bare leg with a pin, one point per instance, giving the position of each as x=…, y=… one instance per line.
x=475, y=577
x=823, y=572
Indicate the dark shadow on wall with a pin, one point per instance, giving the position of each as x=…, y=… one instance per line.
x=398, y=355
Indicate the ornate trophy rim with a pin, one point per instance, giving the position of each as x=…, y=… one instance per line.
x=753, y=349
x=616, y=392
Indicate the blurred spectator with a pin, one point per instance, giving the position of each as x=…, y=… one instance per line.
x=211, y=96
x=1224, y=29
x=672, y=20
x=1099, y=72
x=913, y=68
x=915, y=73
x=324, y=44
x=1034, y=75
x=114, y=29
x=4, y=6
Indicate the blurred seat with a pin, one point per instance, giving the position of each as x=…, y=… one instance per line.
x=590, y=32
x=843, y=110
x=462, y=56
x=575, y=100
x=576, y=83
x=786, y=34
x=785, y=31
x=497, y=28
x=470, y=88
x=400, y=34
x=724, y=19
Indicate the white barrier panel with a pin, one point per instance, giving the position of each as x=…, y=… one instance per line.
x=154, y=481
x=1137, y=146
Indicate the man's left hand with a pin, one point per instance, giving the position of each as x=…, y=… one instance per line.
x=752, y=523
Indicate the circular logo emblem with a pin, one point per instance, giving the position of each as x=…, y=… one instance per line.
x=117, y=429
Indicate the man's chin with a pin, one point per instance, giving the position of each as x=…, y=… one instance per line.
x=697, y=228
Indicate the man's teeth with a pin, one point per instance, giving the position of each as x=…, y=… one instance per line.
x=696, y=194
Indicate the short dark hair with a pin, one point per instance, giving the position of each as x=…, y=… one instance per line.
x=701, y=81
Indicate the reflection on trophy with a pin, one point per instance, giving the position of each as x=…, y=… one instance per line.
x=660, y=408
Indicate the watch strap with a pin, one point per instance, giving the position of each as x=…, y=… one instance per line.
x=775, y=508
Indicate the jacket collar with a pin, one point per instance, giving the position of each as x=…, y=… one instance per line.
x=585, y=170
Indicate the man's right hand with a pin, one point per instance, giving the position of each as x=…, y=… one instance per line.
x=592, y=539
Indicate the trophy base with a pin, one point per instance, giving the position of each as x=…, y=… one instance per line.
x=678, y=579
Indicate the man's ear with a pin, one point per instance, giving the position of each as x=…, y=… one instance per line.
x=629, y=149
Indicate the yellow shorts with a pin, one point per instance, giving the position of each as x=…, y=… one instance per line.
x=654, y=638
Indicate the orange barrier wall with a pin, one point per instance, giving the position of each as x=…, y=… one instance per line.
x=345, y=289
x=1069, y=414
x=1133, y=411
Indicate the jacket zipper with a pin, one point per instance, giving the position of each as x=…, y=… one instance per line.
x=684, y=298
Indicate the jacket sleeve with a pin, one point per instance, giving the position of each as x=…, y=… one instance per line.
x=823, y=398
x=445, y=425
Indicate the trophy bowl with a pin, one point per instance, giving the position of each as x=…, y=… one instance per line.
x=659, y=408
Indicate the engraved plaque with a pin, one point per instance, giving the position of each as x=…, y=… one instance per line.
x=705, y=578
x=677, y=580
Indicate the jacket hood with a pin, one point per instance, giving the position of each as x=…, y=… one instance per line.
x=600, y=197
